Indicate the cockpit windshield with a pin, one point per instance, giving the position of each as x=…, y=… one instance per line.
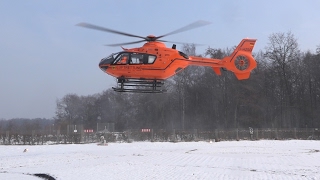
x=110, y=58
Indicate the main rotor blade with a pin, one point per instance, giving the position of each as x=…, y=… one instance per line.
x=91, y=26
x=188, y=27
x=181, y=42
x=121, y=44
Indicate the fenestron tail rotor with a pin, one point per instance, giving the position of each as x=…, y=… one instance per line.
x=148, y=38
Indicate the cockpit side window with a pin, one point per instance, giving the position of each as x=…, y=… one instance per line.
x=122, y=59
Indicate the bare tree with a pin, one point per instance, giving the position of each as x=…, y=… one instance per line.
x=282, y=50
x=318, y=49
x=69, y=109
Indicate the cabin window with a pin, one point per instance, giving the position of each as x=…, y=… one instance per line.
x=151, y=59
x=136, y=58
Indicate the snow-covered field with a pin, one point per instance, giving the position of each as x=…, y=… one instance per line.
x=293, y=159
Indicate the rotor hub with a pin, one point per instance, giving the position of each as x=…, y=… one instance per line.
x=151, y=38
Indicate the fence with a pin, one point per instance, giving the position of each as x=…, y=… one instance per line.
x=77, y=134
x=223, y=135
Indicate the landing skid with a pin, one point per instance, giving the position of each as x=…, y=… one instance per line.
x=139, y=86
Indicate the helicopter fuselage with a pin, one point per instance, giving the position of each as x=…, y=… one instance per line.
x=154, y=61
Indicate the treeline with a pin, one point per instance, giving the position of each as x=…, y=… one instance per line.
x=283, y=92
x=25, y=125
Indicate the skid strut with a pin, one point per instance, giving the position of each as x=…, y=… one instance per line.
x=139, y=86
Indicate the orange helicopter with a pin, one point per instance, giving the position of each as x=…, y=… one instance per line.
x=145, y=68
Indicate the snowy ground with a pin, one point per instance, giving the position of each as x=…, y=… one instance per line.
x=294, y=159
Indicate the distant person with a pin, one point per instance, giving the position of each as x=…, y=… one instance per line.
x=124, y=60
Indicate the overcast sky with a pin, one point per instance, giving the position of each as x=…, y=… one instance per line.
x=44, y=56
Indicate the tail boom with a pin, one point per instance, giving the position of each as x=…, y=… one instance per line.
x=240, y=62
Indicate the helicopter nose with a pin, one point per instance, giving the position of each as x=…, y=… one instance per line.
x=104, y=64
